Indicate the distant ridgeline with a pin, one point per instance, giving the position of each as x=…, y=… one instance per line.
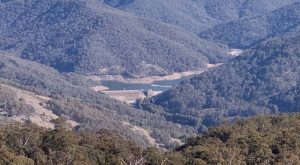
x=86, y=36
x=247, y=32
x=199, y=15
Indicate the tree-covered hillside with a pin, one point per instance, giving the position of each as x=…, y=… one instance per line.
x=263, y=80
x=245, y=33
x=198, y=15
x=50, y=48
x=86, y=36
x=28, y=145
x=261, y=140
x=71, y=97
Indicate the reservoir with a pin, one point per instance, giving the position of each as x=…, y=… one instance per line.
x=155, y=86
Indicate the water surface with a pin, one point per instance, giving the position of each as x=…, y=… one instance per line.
x=156, y=86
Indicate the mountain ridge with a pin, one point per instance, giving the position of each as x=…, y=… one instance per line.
x=246, y=86
x=245, y=33
x=86, y=36
x=197, y=15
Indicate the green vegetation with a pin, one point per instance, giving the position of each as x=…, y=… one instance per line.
x=86, y=36
x=261, y=140
x=49, y=47
x=247, y=32
x=198, y=15
x=28, y=144
x=265, y=79
x=71, y=97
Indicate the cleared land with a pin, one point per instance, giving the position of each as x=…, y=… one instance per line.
x=152, y=79
x=41, y=116
x=235, y=52
x=143, y=132
x=100, y=88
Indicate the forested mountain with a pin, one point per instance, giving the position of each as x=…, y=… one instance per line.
x=198, y=15
x=70, y=96
x=244, y=33
x=86, y=36
x=50, y=49
x=265, y=79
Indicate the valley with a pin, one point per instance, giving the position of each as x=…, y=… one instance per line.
x=129, y=90
x=149, y=82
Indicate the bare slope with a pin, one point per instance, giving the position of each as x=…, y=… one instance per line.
x=39, y=115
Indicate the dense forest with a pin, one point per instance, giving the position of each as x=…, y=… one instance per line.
x=263, y=80
x=247, y=32
x=86, y=37
x=261, y=140
x=27, y=144
x=198, y=15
